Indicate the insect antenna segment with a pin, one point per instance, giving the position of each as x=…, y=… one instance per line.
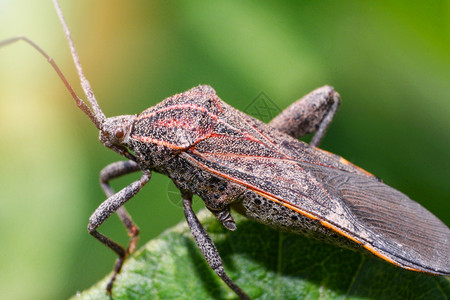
x=99, y=116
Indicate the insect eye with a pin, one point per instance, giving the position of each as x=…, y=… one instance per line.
x=119, y=133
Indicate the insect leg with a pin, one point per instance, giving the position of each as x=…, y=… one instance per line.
x=113, y=171
x=313, y=112
x=114, y=203
x=224, y=217
x=207, y=247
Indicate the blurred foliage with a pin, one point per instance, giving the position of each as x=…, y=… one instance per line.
x=388, y=60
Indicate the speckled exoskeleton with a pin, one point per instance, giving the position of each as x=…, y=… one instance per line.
x=233, y=161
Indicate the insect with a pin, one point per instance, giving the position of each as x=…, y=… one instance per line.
x=233, y=161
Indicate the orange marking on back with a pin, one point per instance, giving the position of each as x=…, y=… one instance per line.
x=288, y=205
x=346, y=162
x=146, y=139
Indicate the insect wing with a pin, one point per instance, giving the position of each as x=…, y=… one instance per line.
x=403, y=231
x=324, y=187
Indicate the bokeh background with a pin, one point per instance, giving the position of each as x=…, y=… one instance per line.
x=389, y=60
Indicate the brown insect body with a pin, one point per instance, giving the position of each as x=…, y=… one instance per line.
x=230, y=159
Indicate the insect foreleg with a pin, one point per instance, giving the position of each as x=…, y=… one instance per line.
x=110, y=172
x=313, y=112
x=207, y=247
x=114, y=203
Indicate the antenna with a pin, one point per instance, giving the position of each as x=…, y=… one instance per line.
x=85, y=85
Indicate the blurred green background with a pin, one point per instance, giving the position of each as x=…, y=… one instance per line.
x=389, y=61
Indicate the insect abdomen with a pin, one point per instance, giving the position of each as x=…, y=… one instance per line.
x=275, y=215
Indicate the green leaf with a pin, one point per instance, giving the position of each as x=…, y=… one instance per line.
x=267, y=264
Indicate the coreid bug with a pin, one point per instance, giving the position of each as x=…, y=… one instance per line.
x=261, y=171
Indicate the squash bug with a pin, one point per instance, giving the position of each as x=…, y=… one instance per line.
x=262, y=171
